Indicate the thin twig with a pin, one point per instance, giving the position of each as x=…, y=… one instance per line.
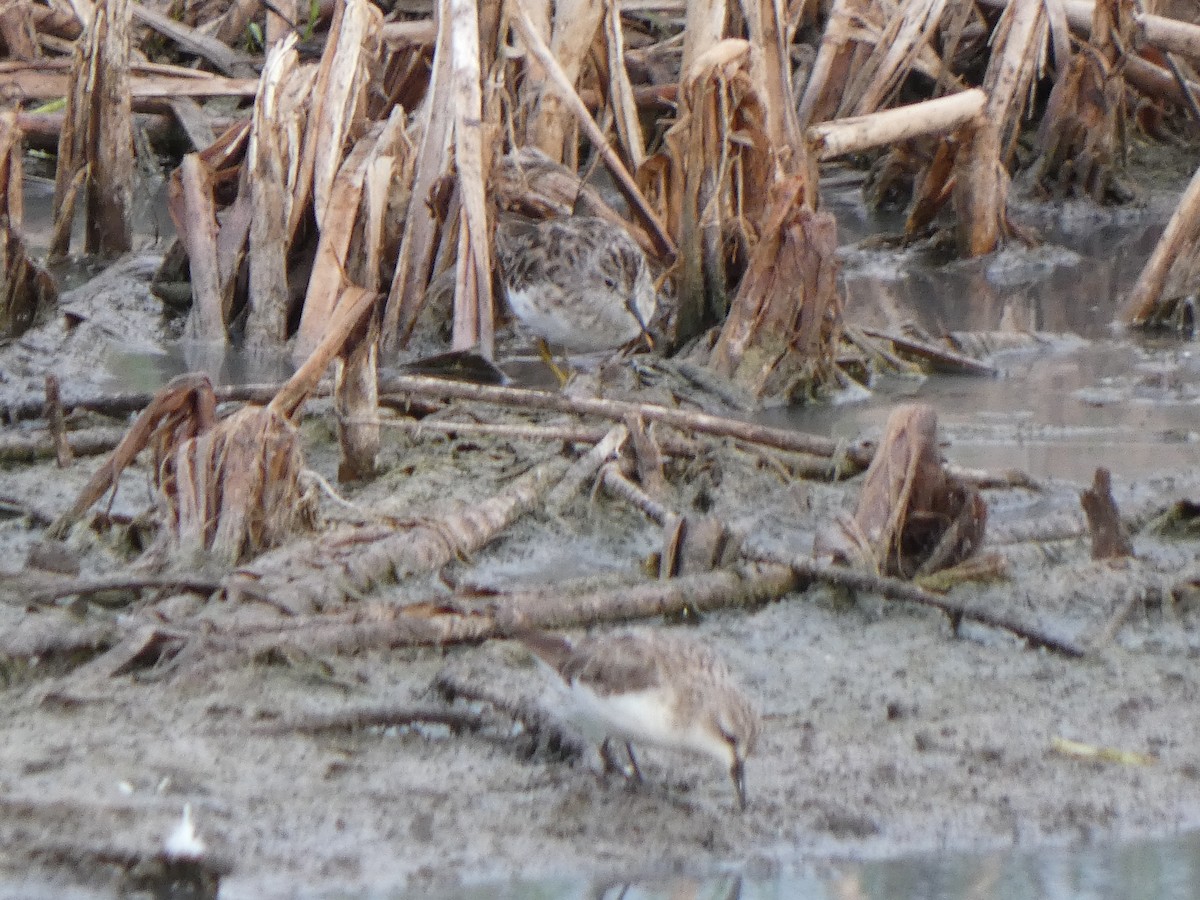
x=384, y=715
x=895, y=589
x=535, y=44
x=83, y=587
x=617, y=410
x=568, y=434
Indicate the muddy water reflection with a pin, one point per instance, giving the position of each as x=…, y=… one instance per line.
x=1169, y=870
x=1083, y=394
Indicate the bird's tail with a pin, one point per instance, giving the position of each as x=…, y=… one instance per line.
x=552, y=649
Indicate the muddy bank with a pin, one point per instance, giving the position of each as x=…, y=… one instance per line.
x=886, y=731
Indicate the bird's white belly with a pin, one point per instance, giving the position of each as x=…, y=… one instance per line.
x=581, y=330
x=642, y=716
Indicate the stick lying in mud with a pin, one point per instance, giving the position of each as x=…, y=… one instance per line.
x=808, y=569
x=704, y=423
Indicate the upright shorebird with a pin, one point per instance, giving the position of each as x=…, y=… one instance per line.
x=655, y=688
x=580, y=283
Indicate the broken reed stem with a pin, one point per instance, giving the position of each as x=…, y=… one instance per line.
x=896, y=589
x=854, y=135
x=585, y=467
x=703, y=423
x=581, y=434
x=534, y=43
x=353, y=304
x=85, y=587
x=21, y=447
x=54, y=416
x=615, y=482
x=1147, y=292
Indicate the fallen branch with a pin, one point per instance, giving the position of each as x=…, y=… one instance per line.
x=387, y=715
x=896, y=589
x=327, y=570
x=842, y=137
x=41, y=444
x=84, y=587
x=703, y=423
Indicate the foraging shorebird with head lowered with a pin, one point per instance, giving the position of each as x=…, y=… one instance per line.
x=654, y=688
x=579, y=283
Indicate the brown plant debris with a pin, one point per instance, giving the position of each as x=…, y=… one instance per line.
x=1079, y=140
x=913, y=516
x=328, y=570
x=97, y=137
x=27, y=293
x=787, y=316
x=1162, y=296
x=1110, y=538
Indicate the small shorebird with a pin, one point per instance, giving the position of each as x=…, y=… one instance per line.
x=580, y=283
x=655, y=688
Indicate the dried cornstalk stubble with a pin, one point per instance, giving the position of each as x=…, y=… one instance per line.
x=980, y=174
x=227, y=490
x=913, y=517
x=550, y=128
x=868, y=49
x=720, y=167
x=275, y=182
x=97, y=135
x=27, y=292
x=1162, y=296
x=786, y=319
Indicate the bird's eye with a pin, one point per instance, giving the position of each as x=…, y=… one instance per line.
x=610, y=282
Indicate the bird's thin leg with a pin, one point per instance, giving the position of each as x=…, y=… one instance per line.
x=637, y=772
x=610, y=764
x=562, y=373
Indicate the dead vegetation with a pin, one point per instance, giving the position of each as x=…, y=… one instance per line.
x=362, y=186
x=329, y=210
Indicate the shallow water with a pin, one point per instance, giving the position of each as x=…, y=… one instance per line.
x=1083, y=394
x=1164, y=870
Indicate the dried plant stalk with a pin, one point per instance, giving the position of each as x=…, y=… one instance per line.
x=331, y=569
x=980, y=192
x=867, y=51
x=274, y=176
x=350, y=61
x=620, y=88
x=27, y=292
x=1079, y=140
x=786, y=320
x=198, y=230
x=981, y=178
x=1110, y=537
x=907, y=29
x=18, y=31
x=718, y=99
x=234, y=490
x=415, y=257
x=12, y=173
x=573, y=31
x=854, y=135
x=182, y=409
x=98, y=134
x=1171, y=271
x=913, y=517
x=332, y=260
x=820, y=99
x=473, y=306
x=356, y=403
